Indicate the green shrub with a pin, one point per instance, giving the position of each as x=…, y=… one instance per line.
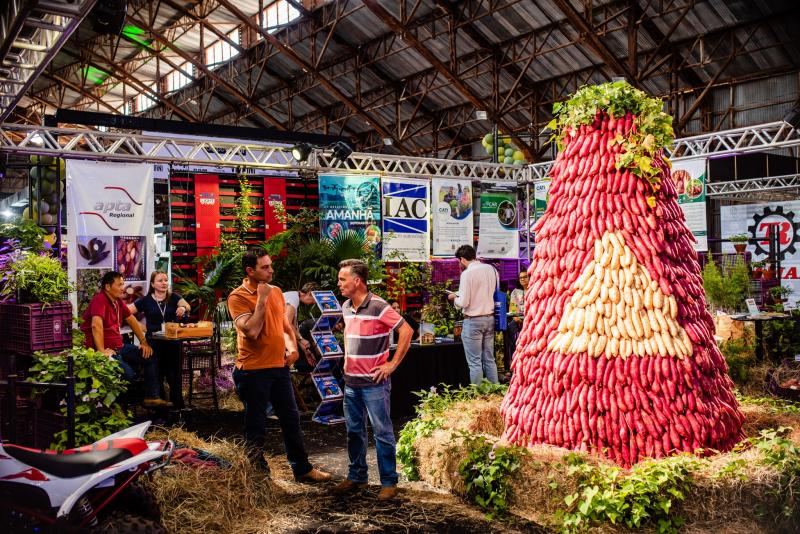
x=487, y=471
x=645, y=496
x=432, y=404
x=99, y=382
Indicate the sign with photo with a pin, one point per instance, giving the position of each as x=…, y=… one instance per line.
x=498, y=235
x=110, y=223
x=350, y=203
x=406, y=223
x=451, y=202
x=689, y=176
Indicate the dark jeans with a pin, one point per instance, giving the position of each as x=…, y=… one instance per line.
x=129, y=355
x=258, y=387
x=169, y=361
x=510, y=342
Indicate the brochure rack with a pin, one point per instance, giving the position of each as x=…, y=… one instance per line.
x=329, y=411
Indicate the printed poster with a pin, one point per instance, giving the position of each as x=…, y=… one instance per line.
x=274, y=195
x=326, y=302
x=406, y=224
x=755, y=220
x=690, y=176
x=498, y=235
x=452, y=215
x=110, y=227
x=350, y=203
x=541, y=196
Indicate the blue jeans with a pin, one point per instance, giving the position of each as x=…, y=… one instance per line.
x=258, y=387
x=477, y=335
x=373, y=402
x=129, y=355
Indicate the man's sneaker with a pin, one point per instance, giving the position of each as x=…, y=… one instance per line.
x=314, y=476
x=387, y=493
x=346, y=486
x=157, y=403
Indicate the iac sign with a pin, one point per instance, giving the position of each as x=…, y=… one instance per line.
x=405, y=208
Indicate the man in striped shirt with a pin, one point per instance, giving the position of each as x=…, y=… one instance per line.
x=369, y=321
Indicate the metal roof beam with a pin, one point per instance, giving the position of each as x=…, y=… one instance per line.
x=119, y=73
x=290, y=53
x=81, y=91
x=235, y=92
x=586, y=30
x=398, y=28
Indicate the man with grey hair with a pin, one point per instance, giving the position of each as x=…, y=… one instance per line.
x=368, y=325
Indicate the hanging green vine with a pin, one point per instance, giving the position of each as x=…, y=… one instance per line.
x=244, y=209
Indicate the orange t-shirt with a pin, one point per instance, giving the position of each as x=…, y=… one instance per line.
x=268, y=351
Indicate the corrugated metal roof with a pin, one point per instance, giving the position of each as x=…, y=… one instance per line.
x=505, y=28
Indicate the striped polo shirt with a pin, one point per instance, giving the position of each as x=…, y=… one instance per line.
x=367, y=334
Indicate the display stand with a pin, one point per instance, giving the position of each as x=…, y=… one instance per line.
x=329, y=411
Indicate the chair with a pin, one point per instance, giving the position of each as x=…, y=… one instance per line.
x=205, y=356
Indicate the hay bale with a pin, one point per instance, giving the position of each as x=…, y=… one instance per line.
x=238, y=499
x=741, y=499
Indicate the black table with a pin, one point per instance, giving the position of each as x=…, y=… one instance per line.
x=176, y=388
x=759, y=321
x=425, y=366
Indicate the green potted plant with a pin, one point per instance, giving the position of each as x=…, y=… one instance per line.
x=99, y=381
x=757, y=269
x=34, y=312
x=739, y=242
x=780, y=293
x=726, y=291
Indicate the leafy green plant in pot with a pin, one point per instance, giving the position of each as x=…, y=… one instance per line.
x=758, y=269
x=36, y=278
x=739, y=242
x=99, y=381
x=779, y=294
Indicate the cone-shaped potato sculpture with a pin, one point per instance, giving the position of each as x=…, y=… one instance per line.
x=616, y=354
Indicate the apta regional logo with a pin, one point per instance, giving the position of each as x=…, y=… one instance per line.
x=119, y=209
x=781, y=222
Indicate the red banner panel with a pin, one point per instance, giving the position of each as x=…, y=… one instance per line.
x=206, y=209
x=274, y=192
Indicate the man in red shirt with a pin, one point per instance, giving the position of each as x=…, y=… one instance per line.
x=101, y=322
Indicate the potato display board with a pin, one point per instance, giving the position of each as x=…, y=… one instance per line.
x=616, y=354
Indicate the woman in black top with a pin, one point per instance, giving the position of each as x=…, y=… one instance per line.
x=161, y=306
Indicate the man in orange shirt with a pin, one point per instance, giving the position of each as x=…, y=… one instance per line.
x=262, y=365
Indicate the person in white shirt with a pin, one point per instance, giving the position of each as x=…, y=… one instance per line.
x=475, y=297
x=293, y=300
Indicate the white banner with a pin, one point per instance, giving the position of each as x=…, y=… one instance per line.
x=406, y=219
x=498, y=235
x=452, y=215
x=110, y=226
x=690, y=181
x=755, y=220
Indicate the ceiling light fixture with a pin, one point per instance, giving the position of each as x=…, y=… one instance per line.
x=341, y=150
x=301, y=151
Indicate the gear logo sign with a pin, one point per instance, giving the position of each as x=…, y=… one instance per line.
x=784, y=222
